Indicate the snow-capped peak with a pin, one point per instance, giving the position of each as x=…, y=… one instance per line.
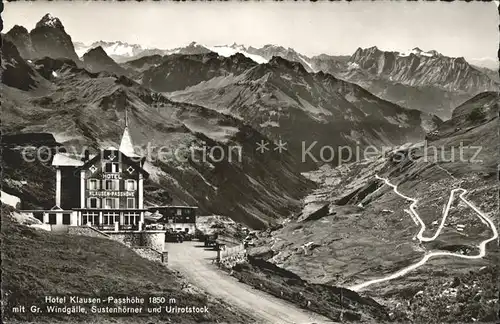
x=193, y=44
x=49, y=21
x=227, y=51
x=116, y=48
x=418, y=52
x=238, y=47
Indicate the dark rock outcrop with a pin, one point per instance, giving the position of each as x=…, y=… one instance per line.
x=17, y=73
x=96, y=60
x=48, y=38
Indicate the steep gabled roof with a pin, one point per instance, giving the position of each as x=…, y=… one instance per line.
x=124, y=158
x=126, y=145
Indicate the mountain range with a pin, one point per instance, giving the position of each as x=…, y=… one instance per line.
x=82, y=108
x=328, y=216
x=223, y=95
x=423, y=80
x=282, y=100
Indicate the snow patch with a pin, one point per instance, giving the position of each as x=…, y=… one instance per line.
x=112, y=49
x=228, y=51
x=206, y=181
x=51, y=21
x=217, y=133
x=27, y=218
x=307, y=63
x=63, y=137
x=120, y=49
x=417, y=51
x=10, y=200
x=155, y=173
x=352, y=65
x=270, y=124
x=44, y=227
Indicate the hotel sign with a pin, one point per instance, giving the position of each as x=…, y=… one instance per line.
x=114, y=176
x=111, y=193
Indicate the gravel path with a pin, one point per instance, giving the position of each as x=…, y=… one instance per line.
x=195, y=263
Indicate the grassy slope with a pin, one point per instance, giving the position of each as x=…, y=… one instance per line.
x=335, y=303
x=36, y=264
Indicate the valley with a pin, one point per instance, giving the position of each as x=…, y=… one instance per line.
x=441, y=212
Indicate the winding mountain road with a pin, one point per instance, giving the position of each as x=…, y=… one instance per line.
x=420, y=236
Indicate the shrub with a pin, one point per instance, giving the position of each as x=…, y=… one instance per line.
x=477, y=114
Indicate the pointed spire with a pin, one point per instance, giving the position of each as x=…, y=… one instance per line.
x=126, y=145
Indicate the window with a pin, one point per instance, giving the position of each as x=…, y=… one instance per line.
x=111, y=184
x=110, y=203
x=93, y=202
x=130, y=203
x=66, y=219
x=111, y=167
x=130, y=185
x=179, y=212
x=93, y=183
x=186, y=230
x=131, y=218
x=90, y=217
x=52, y=219
x=109, y=218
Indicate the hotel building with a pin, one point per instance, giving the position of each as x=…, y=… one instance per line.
x=105, y=191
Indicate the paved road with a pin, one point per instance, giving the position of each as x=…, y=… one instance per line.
x=420, y=236
x=194, y=262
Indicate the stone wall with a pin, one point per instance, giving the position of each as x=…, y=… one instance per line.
x=130, y=239
x=87, y=231
x=155, y=240
x=148, y=253
x=152, y=239
x=148, y=244
x=229, y=252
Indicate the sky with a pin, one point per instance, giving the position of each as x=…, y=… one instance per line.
x=337, y=28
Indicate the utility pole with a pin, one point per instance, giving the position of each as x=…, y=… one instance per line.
x=341, y=305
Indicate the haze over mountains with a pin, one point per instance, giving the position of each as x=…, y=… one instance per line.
x=417, y=79
x=227, y=95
